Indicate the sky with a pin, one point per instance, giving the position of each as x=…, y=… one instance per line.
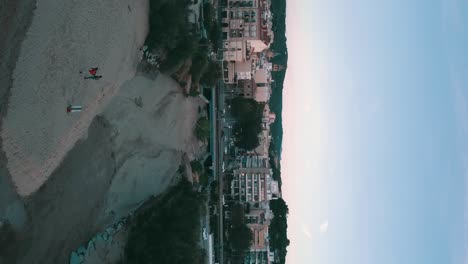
x=375, y=119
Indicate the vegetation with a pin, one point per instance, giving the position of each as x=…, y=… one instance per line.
x=204, y=178
x=202, y=129
x=241, y=238
x=167, y=230
x=278, y=8
x=197, y=167
x=212, y=74
x=171, y=32
x=248, y=114
x=176, y=56
x=7, y=242
x=277, y=231
x=211, y=25
x=199, y=64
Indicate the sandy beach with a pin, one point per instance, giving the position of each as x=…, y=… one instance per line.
x=65, y=176
x=62, y=41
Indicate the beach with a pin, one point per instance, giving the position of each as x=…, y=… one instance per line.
x=37, y=132
x=68, y=175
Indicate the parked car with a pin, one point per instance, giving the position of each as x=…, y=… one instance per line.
x=205, y=234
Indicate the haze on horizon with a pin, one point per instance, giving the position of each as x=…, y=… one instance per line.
x=375, y=118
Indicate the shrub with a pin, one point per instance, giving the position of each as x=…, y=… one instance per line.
x=202, y=129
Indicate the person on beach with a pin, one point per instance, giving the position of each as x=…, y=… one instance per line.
x=94, y=77
x=92, y=71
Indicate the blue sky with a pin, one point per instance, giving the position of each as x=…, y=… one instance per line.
x=376, y=131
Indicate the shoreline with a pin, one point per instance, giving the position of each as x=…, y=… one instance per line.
x=125, y=152
x=15, y=21
x=61, y=41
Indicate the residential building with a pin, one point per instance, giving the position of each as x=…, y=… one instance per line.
x=253, y=185
x=246, y=88
x=257, y=257
x=253, y=161
x=239, y=70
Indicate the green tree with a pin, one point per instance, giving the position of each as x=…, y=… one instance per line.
x=202, y=128
x=241, y=238
x=167, y=230
x=197, y=167
x=246, y=134
x=204, y=179
x=199, y=64
x=212, y=74
x=237, y=214
x=278, y=228
x=246, y=109
x=248, y=114
x=8, y=248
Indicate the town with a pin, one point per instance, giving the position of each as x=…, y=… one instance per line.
x=244, y=184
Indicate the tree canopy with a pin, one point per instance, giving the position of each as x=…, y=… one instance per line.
x=278, y=229
x=248, y=114
x=202, y=128
x=168, y=22
x=241, y=238
x=212, y=74
x=167, y=230
x=170, y=30
x=278, y=9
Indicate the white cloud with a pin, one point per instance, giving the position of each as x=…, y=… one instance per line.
x=306, y=232
x=324, y=227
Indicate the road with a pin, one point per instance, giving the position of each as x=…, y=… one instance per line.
x=217, y=99
x=219, y=105
x=205, y=223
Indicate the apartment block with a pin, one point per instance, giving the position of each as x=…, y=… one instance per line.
x=254, y=185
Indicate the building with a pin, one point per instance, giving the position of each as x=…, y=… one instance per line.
x=269, y=117
x=264, y=142
x=246, y=30
x=258, y=220
x=253, y=185
x=257, y=257
x=253, y=161
x=262, y=94
x=235, y=51
x=246, y=88
x=239, y=70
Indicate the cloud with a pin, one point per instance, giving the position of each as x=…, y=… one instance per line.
x=324, y=227
x=306, y=231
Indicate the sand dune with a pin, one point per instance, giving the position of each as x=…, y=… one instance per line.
x=64, y=38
